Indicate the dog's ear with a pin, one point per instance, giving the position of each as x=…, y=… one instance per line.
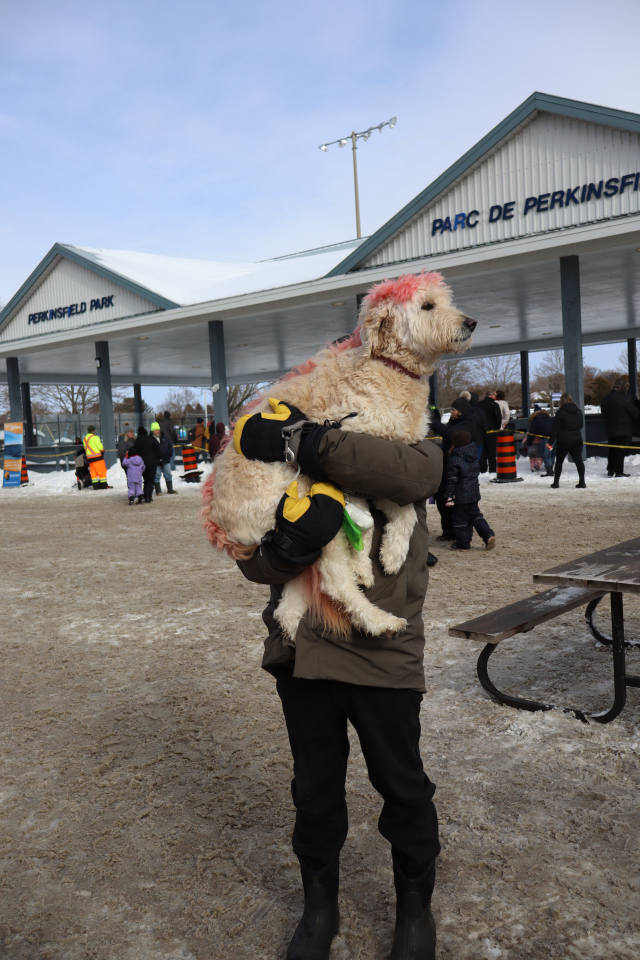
x=378, y=330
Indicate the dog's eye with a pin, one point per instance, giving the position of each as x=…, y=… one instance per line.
x=428, y=305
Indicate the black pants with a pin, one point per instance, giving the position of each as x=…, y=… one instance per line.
x=489, y=453
x=575, y=449
x=387, y=722
x=445, y=519
x=466, y=517
x=615, y=458
x=148, y=481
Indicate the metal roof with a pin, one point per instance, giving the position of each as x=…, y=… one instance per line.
x=536, y=103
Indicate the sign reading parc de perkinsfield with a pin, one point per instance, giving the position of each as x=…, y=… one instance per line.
x=71, y=311
x=543, y=203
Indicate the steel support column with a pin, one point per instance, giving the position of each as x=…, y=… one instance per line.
x=138, y=406
x=433, y=389
x=30, y=439
x=13, y=383
x=105, y=397
x=572, y=329
x=524, y=381
x=218, y=372
x=632, y=357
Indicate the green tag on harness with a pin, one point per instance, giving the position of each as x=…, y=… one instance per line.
x=354, y=534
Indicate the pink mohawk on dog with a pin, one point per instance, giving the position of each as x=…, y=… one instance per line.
x=403, y=289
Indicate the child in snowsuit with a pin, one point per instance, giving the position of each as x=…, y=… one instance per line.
x=134, y=465
x=462, y=493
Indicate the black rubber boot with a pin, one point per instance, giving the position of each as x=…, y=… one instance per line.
x=321, y=918
x=169, y=484
x=582, y=485
x=555, y=485
x=141, y=499
x=414, y=937
x=132, y=500
x=158, y=489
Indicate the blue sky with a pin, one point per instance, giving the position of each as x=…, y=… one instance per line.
x=192, y=129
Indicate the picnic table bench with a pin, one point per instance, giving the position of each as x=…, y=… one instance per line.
x=581, y=582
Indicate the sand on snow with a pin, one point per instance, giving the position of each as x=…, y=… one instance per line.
x=145, y=807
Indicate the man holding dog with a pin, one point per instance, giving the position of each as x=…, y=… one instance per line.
x=375, y=683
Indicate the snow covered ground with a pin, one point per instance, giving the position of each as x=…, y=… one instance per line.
x=64, y=483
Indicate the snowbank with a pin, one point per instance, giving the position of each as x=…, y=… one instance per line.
x=64, y=484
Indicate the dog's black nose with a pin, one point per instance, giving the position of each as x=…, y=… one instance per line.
x=471, y=324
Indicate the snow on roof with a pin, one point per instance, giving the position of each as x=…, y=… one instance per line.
x=197, y=281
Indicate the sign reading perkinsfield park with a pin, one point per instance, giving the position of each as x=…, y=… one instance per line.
x=56, y=313
x=543, y=203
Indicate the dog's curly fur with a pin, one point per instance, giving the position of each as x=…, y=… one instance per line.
x=411, y=322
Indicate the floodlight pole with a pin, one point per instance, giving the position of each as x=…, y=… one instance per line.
x=355, y=184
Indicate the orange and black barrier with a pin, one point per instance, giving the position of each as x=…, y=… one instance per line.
x=24, y=476
x=506, y=458
x=190, y=464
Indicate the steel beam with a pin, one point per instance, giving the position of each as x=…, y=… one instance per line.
x=107, y=426
x=30, y=439
x=218, y=372
x=524, y=381
x=632, y=357
x=13, y=382
x=138, y=405
x=572, y=329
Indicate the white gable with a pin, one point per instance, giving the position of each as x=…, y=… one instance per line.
x=545, y=168
x=70, y=297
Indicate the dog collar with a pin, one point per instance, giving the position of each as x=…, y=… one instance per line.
x=394, y=365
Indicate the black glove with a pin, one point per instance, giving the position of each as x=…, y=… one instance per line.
x=304, y=526
x=279, y=435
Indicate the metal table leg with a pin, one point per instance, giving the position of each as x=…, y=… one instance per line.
x=620, y=678
x=589, y=615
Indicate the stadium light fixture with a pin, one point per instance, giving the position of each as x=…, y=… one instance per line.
x=342, y=142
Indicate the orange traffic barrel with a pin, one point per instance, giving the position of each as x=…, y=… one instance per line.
x=506, y=458
x=189, y=462
x=24, y=476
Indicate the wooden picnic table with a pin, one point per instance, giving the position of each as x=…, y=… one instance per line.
x=615, y=570
x=587, y=580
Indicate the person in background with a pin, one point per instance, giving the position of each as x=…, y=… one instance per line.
x=478, y=417
x=148, y=448
x=167, y=427
x=163, y=468
x=459, y=420
x=94, y=452
x=540, y=427
x=461, y=492
x=493, y=414
x=567, y=435
x=200, y=439
x=215, y=439
x=620, y=414
x=125, y=442
x=504, y=407
x=133, y=465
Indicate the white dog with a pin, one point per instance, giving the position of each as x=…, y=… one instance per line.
x=380, y=373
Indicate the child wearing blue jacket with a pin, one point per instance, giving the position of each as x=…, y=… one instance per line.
x=462, y=493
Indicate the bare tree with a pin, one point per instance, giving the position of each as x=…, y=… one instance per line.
x=181, y=402
x=70, y=398
x=453, y=376
x=239, y=396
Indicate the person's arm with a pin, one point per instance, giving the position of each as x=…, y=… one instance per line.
x=377, y=468
x=449, y=486
x=632, y=407
x=265, y=567
x=555, y=430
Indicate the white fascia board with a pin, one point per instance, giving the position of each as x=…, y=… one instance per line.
x=499, y=256
x=149, y=381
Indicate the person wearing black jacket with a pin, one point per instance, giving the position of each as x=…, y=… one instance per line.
x=620, y=413
x=148, y=448
x=164, y=467
x=493, y=415
x=461, y=492
x=459, y=420
x=480, y=420
x=540, y=426
x=567, y=435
